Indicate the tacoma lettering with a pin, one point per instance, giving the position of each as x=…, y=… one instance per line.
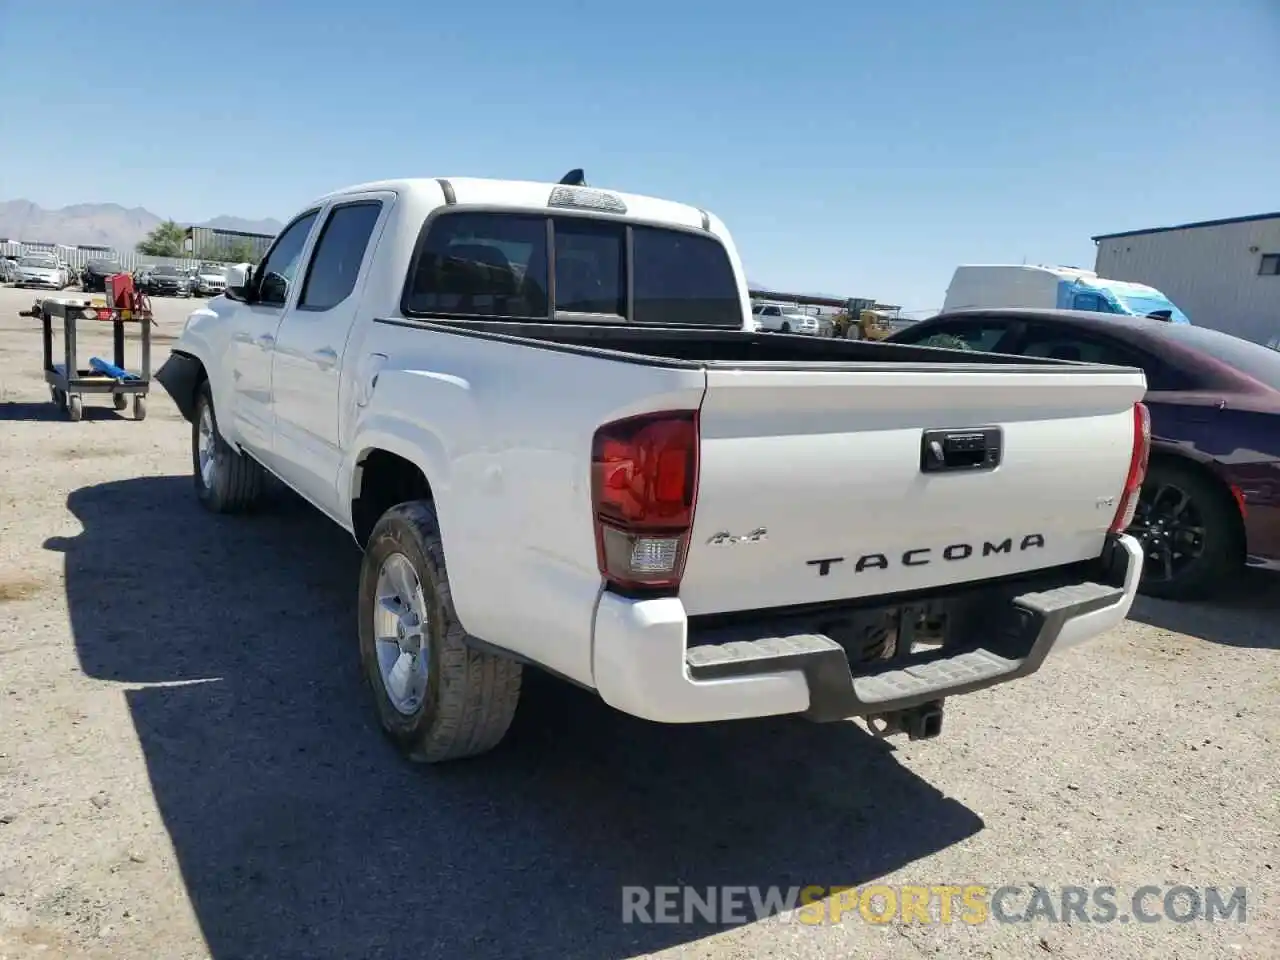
x=922, y=556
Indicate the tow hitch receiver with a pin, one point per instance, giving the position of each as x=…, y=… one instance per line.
x=918, y=723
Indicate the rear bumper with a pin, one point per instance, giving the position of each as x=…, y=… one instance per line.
x=644, y=664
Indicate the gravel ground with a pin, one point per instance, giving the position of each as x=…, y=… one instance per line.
x=189, y=767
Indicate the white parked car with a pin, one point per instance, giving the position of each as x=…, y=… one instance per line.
x=41, y=271
x=542, y=413
x=779, y=319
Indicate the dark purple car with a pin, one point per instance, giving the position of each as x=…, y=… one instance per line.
x=1211, y=501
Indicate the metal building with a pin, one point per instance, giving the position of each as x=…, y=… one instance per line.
x=213, y=244
x=1223, y=274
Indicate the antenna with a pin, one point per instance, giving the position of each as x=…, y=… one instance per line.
x=574, y=178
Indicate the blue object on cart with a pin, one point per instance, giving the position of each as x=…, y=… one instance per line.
x=99, y=365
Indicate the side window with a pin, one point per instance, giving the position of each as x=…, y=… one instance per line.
x=1066, y=344
x=981, y=337
x=481, y=264
x=591, y=263
x=1161, y=376
x=281, y=264
x=772, y=312
x=1087, y=301
x=339, y=251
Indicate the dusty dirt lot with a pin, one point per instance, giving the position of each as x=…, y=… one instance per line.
x=188, y=767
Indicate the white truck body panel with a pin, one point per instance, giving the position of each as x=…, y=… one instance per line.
x=991, y=286
x=824, y=456
x=854, y=438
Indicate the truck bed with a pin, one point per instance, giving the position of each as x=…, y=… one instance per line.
x=700, y=347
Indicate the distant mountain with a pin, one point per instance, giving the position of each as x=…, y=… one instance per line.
x=102, y=224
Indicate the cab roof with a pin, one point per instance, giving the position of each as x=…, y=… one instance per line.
x=532, y=195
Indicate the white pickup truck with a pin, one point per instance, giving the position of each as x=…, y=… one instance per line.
x=541, y=411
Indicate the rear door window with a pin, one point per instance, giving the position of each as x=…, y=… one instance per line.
x=495, y=265
x=1066, y=344
x=1044, y=340
x=338, y=255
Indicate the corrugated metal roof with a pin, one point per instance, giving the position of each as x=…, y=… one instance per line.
x=1188, y=226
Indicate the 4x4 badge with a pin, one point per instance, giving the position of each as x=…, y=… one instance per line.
x=725, y=538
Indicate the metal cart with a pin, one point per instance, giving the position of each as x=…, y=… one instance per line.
x=68, y=381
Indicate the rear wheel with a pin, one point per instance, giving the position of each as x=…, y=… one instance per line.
x=225, y=481
x=1189, y=529
x=436, y=696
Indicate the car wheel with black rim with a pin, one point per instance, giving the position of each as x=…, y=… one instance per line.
x=438, y=697
x=1189, y=528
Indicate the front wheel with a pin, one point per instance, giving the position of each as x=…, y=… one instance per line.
x=436, y=696
x=225, y=481
x=1189, y=530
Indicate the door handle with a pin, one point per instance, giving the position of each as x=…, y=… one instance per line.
x=944, y=451
x=325, y=357
x=266, y=341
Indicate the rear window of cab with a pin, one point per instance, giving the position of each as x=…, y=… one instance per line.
x=513, y=266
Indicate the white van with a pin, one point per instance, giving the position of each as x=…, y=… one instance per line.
x=982, y=286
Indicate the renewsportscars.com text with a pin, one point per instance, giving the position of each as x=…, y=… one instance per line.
x=971, y=904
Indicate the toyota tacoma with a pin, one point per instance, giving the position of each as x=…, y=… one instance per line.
x=543, y=413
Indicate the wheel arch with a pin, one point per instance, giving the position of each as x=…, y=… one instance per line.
x=380, y=479
x=1207, y=471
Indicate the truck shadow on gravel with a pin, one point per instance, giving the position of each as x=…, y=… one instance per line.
x=300, y=832
x=1243, y=615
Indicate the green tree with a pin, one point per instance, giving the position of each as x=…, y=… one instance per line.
x=166, y=240
x=238, y=251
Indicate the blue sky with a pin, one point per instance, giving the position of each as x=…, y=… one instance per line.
x=859, y=148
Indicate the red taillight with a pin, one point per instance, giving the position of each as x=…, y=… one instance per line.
x=1137, y=469
x=644, y=478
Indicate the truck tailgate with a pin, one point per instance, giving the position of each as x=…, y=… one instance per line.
x=812, y=485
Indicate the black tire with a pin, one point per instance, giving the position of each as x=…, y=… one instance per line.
x=786, y=327
x=139, y=407
x=1216, y=553
x=237, y=480
x=75, y=408
x=470, y=695
x=119, y=401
